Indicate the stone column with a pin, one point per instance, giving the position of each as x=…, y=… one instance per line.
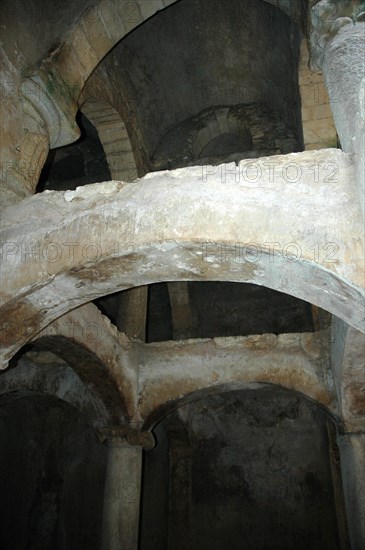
x=47, y=117
x=180, y=485
x=183, y=318
x=352, y=456
x=337, y=49
x=120, y=524
x=132, y=312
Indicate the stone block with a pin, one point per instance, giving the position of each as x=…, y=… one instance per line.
x=317, y=112
x=129, y=14
x=111, y=20
x=148, y=8
x=83, y=48
x=97, y=33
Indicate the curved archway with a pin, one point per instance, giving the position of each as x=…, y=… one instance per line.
x=91, y=371
x=62, y=75
x=171, y=405
x=22, y=318
x=248, y=453
x=114, y=138
x=171, y=375
x=50, y=376
x=100, y=355
x=93, y=241
x=96, y=33
x=103, y=25
x=80, y=349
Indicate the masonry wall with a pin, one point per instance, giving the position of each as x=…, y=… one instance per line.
x=318, y=126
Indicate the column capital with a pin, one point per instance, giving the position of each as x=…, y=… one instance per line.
x=124, y=436
x=327, y=17
x=51, y=98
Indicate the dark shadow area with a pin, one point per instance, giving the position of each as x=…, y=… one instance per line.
x=52, y=474
x=77, y=164
x=227, y=309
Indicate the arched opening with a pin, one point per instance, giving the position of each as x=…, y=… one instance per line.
x=52, y=472
x=177, y=80
x=254, y=468
x=80, y=163
x=226, y=144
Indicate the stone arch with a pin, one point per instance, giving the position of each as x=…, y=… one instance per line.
x=114, y=138
x=77, y=358
x=56, y=380
x=52, y=90
x=115, y=247
x=109, y=21
x=100, y=356
x=50, y=93
x=62, y=75
x=173, y=405
x=222, y=126
x=96, y=33
x=22, y=317
x=170, y=376
x=90, y=370
x=253, y=130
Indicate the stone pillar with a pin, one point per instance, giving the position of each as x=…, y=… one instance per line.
x=183, y=319
x=120, y=524
x=21, y=173
x=352, y=456
x=337, y=47
x=132, y=312
x=180, y=485
x=47, y=117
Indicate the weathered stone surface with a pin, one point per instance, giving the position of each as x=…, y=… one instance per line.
x=121, y=497
x=101, y=356
x=46, y=373
x=338, y=50
x=327, y=18
x=52, y=98
x=92, y=239
x=348, y=364
x=318, y=126
x=114, y=138
x=174, y=373
x=259, y=128
x=55, y=85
